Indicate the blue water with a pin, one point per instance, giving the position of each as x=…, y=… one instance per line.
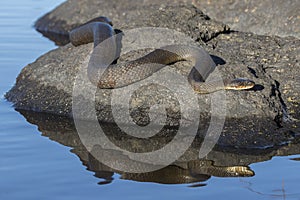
x=34, y=167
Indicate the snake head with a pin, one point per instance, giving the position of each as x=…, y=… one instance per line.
x=240, y=84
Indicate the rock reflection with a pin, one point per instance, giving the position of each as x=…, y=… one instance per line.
x=221, y=162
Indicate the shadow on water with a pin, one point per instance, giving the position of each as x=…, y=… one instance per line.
x=223, y=161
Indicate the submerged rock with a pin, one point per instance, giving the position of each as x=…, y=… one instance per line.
x=272, y=62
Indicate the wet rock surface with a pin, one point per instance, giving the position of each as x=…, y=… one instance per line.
x=269, y=111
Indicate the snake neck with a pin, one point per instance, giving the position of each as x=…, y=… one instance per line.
x=201, y=86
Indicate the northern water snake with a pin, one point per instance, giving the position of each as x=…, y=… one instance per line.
x=119, y=75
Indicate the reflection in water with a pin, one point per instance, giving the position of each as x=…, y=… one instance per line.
x=295, y=159
x=221, y=162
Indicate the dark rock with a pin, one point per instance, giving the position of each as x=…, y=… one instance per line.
x=131, y=14
x=270, y=17
x=272, y=62
x=282, y=18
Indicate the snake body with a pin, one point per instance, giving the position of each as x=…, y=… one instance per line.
x=119, y=75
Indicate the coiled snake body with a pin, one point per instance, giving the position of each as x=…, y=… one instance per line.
x=120, y=75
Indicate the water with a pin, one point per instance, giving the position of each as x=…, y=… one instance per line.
x=42, y=163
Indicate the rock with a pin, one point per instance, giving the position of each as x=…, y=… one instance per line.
x=282, y=18
x=272, y=62
x=64, y=63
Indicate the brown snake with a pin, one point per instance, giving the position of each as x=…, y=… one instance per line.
x=120, y=75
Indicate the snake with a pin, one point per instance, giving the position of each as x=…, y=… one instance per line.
x=120, y=75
